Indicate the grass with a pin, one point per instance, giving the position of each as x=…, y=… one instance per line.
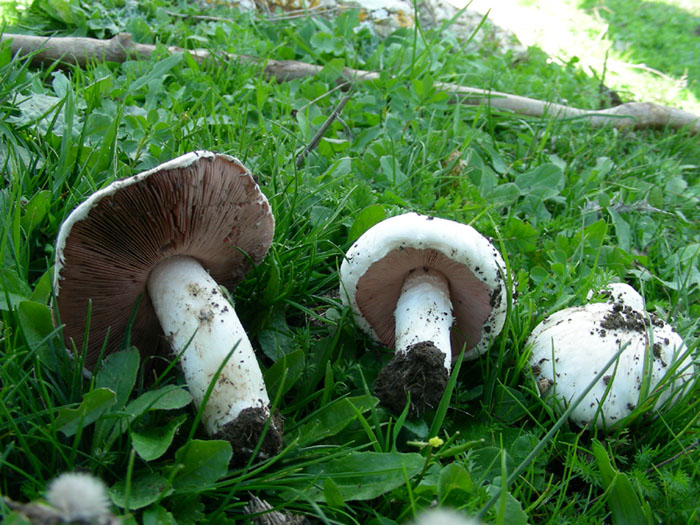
x=570, y=207
x=645, y=51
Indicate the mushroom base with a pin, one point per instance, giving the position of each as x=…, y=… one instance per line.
x=244, y=433
x=419, y=371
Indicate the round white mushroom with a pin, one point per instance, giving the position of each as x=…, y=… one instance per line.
x=570, y=348
x=621, y=293
x=430, y=288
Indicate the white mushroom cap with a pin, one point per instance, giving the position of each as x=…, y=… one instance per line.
x=570, y=348
x=622, y=293
x=376, y=265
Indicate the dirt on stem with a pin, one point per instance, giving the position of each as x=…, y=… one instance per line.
x=245, y=431
x=420, y=372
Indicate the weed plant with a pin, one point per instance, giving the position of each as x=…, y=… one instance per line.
x=570, y=207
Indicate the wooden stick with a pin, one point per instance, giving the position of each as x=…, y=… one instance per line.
x=80, y=51
x=321, y=131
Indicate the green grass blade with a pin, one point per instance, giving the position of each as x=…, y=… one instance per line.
x=623, y=500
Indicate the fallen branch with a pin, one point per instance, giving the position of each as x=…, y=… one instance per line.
x=79, y=51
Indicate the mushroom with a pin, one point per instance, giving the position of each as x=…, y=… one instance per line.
x=621, y=293
x=428, y=287
x=169, y=237
x=571, y=346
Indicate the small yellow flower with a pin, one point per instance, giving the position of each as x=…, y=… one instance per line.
x=435, y=442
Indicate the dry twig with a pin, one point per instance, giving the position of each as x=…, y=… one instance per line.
x=80, y=51
x=321, y=131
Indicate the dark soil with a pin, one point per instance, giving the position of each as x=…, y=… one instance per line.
x=625, y=318
x=421, y=372
x=244, y=433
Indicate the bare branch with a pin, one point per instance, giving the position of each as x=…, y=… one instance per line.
x=80, y=51
x=319, y=134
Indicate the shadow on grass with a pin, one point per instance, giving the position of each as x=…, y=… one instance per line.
x=663, y=37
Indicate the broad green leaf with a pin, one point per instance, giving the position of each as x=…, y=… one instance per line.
x=676, y=185
x=36, y=323
x=107, y=144
x=622, y=230
x=273, y=285
x=142, y=33
x=331, y=493
x=513, y=513
x=504, y=194
x=93, y=405
x=521, y=234
x=118, y=373
x=512, y=404
x=169, y=397
x=327, y=43
x=363, y=475
x=146, y=488
x=200, y=464
x=429, y=480
x=61, y=85
x=332, y=69
x=603, y=167
x=43, y=288
x=538, y=274
x=35, y=211
x=622, y=499
x=290, y=367
x=304, y=123
x=13, y=288
x=454, y=478
x=486, y=463
x=157, y=516
x=543, y=182
x=392, y=171
x=594, y=235
x=330, y=147
x=364, y=220
x=332, y=418
x=339, y=168
x=319, y=216
x=97, y=126
x=41, y=110
x=153, y=442
x=68, y=12
x=276, y=339
x=482, y=175
x=158, y=70
x=189, y=509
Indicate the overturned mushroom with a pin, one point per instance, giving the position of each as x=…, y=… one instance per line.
x=621, y=293
x=170, y=236
x=429, y=288
x=570, y=347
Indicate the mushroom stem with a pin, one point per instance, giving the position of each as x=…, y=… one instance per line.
x=424, y=313
x=202, y=328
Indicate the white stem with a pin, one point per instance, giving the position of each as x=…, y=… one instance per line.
x=424, y=313
x=196, y=317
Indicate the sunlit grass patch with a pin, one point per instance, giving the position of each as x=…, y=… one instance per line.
x=647, y=51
